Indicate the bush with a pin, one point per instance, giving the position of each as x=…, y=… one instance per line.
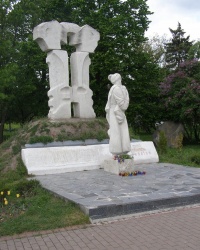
x=27, y=188
x=162, y=142
x=41, y=139
x=178, y=141
x=196, y=159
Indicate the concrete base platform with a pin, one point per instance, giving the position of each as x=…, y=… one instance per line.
x=102, y=194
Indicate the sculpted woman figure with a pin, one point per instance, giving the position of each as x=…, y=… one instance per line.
x=118, y=101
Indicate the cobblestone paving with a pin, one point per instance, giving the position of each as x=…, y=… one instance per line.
x=101, y=194
x=173, y=230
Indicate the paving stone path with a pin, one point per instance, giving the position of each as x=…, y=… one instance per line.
x=178, y=229
x=101, y=194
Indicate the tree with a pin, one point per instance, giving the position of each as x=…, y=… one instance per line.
x=156, y=48
x=7, y=66
x=180, y=92
x=122, y=25
x=194, y=51
x=177, y=49
x=23, y=70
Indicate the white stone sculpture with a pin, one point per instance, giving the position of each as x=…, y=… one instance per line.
x=50, y=36
x=82, y=94
x=85, y=40
x=118, y=101
x=69, y=30
x=60, y=91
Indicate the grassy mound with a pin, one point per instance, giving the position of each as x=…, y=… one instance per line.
x=44, y=130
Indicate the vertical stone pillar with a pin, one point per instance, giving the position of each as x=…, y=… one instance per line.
x=49, y=36
x=81, y=92
x=60, y=91
x=85, y=40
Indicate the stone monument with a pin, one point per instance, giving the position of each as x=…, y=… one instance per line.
x=172, y=131
x=50, y=159
x=50, y=36
x=119, y=144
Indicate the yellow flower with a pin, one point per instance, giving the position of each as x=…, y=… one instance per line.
x=5, y=199
x=1, y=192
x=8, y=192
x=6, y=202
x=18, y=195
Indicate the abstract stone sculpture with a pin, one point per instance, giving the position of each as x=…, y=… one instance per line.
x=118, y=101
x=60, y=91
x=81, y=92
x=50, y=36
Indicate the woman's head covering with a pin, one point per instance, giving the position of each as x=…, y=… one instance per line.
x=114, y=77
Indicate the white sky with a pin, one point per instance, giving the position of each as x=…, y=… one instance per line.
x=167, y=14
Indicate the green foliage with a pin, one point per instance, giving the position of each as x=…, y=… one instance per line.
x=182, y=157
x=194, y=51
x=43, y=139
x=155, y=47
x=99, y=135
x=196, y=159
x=27, y=188
x=177, y=49
x=177, y=142
x=180, y=93
x=126, y=156
x=33, y=129
x=21, y=168
x=162, y=143
x=16, y=148
x=6, y=144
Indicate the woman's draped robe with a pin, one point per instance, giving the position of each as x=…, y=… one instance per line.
x=118, y=101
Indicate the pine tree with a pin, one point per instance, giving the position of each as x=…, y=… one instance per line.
x=177, y=49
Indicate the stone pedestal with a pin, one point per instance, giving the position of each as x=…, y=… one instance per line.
x=62, y=159
x=113, y=166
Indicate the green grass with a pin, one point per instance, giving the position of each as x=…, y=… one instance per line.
x=40, y=211
x=11, y=130
x=188, y=156
x=36, y=209
x=43, y=139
